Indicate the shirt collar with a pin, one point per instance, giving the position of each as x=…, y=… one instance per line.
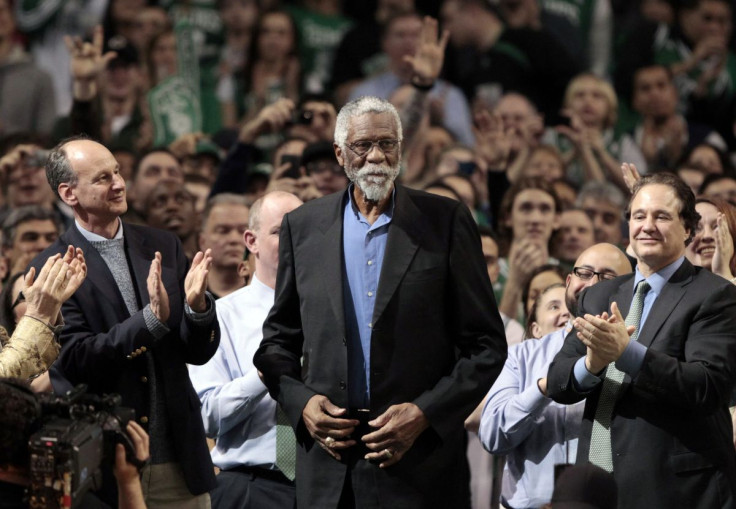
x=260, y=287
x=659, y=278
x=93, y=237
x=385, y=216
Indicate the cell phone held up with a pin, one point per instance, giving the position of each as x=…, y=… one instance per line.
x=294, y=163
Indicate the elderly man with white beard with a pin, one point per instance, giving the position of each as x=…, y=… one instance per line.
x=384, y=332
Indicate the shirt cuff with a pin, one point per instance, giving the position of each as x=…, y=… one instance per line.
x=155, y=326
x=633, y=357
x=583, y=379
x=532, y=400
x=205, y=317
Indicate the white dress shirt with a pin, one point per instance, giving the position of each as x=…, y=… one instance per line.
x=236, y=408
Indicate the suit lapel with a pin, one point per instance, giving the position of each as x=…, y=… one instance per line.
x=666, y=302
x=332, y=260
x=401, y=246
x=100, y=275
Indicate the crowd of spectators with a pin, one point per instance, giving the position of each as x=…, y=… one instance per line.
x=526, y=114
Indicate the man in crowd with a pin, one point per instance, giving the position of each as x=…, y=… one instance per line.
x=224, y=222
x=657, y=384
x=574, y=236
x=604, y=203
x=377, y=365
x=136, y=322
x=152, y=167
x=171, y=207
x=236, y=408
x=319, y=163
x=519, y=420
x=26, y=232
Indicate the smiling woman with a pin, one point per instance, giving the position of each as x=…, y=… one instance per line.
x=705, y=249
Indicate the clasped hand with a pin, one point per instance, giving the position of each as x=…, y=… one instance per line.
x=605, y=337
x=396, y=429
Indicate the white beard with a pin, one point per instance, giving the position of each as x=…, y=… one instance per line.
x=374, y=187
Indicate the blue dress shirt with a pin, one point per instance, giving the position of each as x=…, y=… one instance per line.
x=633, y=356
x=364, y=245
x=534, y=432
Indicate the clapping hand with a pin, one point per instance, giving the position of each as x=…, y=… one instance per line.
x=58, y=279
x=159, y=299
x=723, y=254
x=195, y=284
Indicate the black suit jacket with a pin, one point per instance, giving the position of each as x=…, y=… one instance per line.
x=101, y=340
x=671, y=431
x=437, y=341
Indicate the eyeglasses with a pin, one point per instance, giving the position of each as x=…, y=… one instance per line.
x=586, y=274
x=362, y=147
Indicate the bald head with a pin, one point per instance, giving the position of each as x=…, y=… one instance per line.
x=262, y=235
x=602, y=258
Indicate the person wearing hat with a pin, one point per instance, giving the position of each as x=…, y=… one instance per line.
x=319, y=163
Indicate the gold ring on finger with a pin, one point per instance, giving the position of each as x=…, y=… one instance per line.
x=329, y=441
x=388, y=453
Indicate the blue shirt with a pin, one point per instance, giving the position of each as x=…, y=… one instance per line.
x=364, y=245
x=534, y=432
x=633, y=356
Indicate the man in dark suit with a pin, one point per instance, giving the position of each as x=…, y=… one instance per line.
x=136, y=321
x=384, y=333
x=656, y=388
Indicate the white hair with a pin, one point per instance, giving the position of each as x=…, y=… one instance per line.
x=361, y=106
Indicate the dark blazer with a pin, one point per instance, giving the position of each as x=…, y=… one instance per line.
x=437, y=341
x=671, y=430
x=101, y=341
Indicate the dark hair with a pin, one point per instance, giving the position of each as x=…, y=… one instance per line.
x=684, y=194
x=535, y=307
x=254, y=48
x=712, y=178
x=7, y=320
x=58, y=167
x=547, y=267
x=441, y=185
x=146, y=153
x=19, y=419
x=23, y=215
x=726, y=163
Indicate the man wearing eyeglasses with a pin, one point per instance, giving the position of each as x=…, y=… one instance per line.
x=518, y=419
x=384, y=333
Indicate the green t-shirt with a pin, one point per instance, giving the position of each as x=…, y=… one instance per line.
x=319, y=37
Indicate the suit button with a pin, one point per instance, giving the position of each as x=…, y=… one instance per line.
x=138, y=351
x=212, y=337
x=343, y=385
x=143, y=349
x=129, y=357
x=144, y=379
x=144, y=420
